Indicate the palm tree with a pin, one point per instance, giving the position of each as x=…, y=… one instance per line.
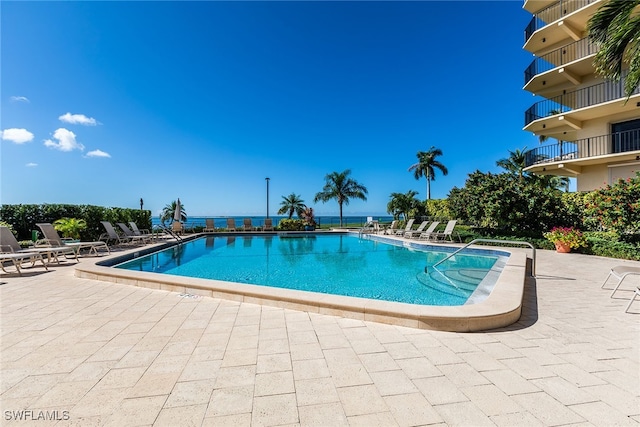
x=290, y=204
x=402, y=204
x=425, y=167
x=515, y=163
x=553, y=181
x=614, y=28
x=339, y=186
x=168, y=212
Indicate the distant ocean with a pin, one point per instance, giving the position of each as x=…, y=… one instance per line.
x=221, y=222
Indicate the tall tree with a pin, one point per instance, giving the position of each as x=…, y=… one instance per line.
x=515, y=163
x=614, y=28
x=290, y=204
x=339, y=186
x=168, y=212
x=402, y=204
x=426, y=166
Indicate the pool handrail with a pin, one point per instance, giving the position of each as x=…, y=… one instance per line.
x=169, y=231
x=511, y=242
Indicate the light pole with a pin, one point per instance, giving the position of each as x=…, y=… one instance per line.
x=267, y=179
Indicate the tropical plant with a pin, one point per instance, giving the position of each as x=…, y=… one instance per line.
x=502, y=202
x=552, y=181
x=339, y=186
x=169, y=211
x=70, y=227
x=568, y=236
x=402, y=204
x=614, y=28
x=426, y=166
x=515, y=163
x=437, y=209
x=308, y=217
x=290, y=204
x=617, y=207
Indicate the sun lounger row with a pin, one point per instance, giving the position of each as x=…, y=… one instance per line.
x=125, y=238
x=423, y=232
x=247, y=225
x=12, y=254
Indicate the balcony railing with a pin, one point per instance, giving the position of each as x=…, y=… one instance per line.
x=559, y=57
x=552, y=13
x=619, y=142
x=581, y=98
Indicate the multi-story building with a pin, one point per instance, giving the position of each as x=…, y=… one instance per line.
x=590, y=131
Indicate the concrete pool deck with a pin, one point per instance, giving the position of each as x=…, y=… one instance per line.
x=501, y=308
x=89, y=352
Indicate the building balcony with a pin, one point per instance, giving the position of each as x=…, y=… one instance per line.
x=567, y=64
x=568, y=111
x=570, y=156
x=534, y=6
x=562, y=20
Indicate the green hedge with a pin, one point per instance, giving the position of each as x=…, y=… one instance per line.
x=24, y=218
x=607, y=244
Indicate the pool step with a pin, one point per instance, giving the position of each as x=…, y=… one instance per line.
x=458, y=282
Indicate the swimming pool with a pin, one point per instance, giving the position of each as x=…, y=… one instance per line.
x=337, y=264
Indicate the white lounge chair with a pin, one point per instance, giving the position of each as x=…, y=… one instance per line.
x=633, y=298
x=409, y=234
x=209, y=225
x=17, y=259
x=448, y=232
x=52, y=239
x=371, y=226
x=430, y=232
x=9, y=243
x=406, y=228
x=620, y=272
x=392, y=228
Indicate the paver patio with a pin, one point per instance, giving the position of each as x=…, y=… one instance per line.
x=98, y=353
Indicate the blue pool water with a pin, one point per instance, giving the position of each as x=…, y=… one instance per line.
x=341, y=264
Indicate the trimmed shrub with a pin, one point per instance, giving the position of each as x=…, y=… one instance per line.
x=291, y=225
x=607, y=244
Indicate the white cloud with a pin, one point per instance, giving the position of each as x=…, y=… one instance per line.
x=19, y=99
x=19, y=136
x=78, y=119
x=31, y=165
x=66, y=141
x=98, y=153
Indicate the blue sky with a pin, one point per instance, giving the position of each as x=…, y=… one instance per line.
x=104, y=103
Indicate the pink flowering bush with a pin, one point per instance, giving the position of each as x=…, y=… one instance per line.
x=569, y=236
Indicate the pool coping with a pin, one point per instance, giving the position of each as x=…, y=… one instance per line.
x=501, y=308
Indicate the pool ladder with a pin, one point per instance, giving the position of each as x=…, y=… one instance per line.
x=511, y=242
x=171, y=233
x=369, y=227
